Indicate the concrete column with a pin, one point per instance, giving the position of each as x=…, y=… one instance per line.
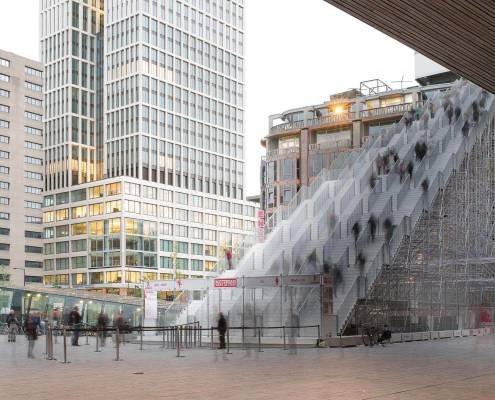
x=357, y=133
x=304, y=156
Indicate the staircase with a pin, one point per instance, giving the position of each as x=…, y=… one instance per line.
x=343, y=192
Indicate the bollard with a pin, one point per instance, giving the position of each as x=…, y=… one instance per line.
x=163, y=339
x=168, y=338
x=65, y=347
x=212, y=338
x=117, y=347
x=259, y=341
x=97, y=339
x=141, y=345
x=178, y=336
x=195, y=335
x=319, y=335
x=285, y=343
x=228, y=341
x=200, y=335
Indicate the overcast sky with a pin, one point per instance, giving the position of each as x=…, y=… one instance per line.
x=298, y=52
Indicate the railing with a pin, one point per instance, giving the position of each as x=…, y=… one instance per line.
x=283, y=151
x=331, y=119
x=337, y=144
x=287, y=126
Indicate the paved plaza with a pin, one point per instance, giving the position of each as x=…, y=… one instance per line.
x=462, y=368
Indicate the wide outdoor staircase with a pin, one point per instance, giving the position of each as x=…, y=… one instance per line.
x=316, y=228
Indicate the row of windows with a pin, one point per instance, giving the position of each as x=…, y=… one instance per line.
x=5, y=262
x=28, y=218
x=27, y=70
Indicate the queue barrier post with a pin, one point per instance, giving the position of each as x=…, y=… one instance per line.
x=65, y=346
x=211, y=336
x=98, y=339
x=259, y=341
x=117, y=346
x=285, y=341
x=228, y=341
x=141, y=340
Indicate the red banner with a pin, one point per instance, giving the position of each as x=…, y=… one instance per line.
x=225, y=283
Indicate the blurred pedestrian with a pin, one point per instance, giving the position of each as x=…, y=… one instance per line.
x=476, y=112
x=120, y=326
x=101, y=324
x=388, y=228
x=465, y=128
x=372, y=226
x=457, y=113
x=372, y=182
x=410, y=168
x=12, y=325
x=221, y=328
x=424, y=184
x=450, y=114
x=31, y=331
x=75, y=322
x=402, y=171
x=356, y=228
x=360, y=262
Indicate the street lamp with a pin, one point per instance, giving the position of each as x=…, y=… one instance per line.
x=23, y=275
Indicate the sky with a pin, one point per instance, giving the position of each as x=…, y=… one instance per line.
x=298, y=52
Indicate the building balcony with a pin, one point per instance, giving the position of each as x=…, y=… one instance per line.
x=345, y=117
x=331, y=145
x=272, y=154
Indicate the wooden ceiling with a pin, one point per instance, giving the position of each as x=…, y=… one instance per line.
x=458, y=34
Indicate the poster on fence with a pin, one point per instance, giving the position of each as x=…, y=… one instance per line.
x=150, y=302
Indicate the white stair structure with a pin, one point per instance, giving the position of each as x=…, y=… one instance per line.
x=317, y=229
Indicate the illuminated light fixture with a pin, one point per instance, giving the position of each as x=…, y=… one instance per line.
x=338, y=110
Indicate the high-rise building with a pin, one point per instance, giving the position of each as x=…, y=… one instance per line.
x=21, y=169
x=144, y=140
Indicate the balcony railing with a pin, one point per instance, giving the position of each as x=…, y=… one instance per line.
x=344, y=117
x=281, y=152
x=339, y=144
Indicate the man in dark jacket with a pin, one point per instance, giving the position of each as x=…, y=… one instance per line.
x=75, y=322
x=221, y=328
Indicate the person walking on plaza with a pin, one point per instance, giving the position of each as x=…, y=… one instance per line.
x=101, y=324
x=56, y=320
x=75, y=322
x=31, y=331
x=12, y=324
x=221, y=328
x=119, y=323
x=372, y=226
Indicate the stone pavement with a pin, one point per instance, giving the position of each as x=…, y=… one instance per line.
x=462, y=368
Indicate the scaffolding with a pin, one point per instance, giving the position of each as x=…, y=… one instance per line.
x=443, y=274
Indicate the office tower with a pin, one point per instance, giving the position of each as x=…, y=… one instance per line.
x=21, y=169
x=144, y=140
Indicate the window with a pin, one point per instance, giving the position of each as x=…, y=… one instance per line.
x=33, y=116
x=78, y=279
x=4, y=185
x=4, y=200
x=4, y=170
x=62, y=231
x=33, y=86
x=4, y=63
x=181, y=198
x=79, y=245
x=196, y=265
x=78, y=212
x=4, y=154
x=4, y=246
x=113, y=189
x=49, y=216
x=33, y=72
x=62, y=247
x=32, y=146
x=79, y=229
x=182, y=247
x=4, y=78
x=4, y=139
x=33, y=131
x=4, y=215
x=96, y=209
x=30, y=189
x=33, y=160
x=4, y=108
x=33, y=249
x=79, y=262
x=32, y=204
x=33, y=175
x=5, y=231
x=180, y=231
x=62, y=198
x=78, y=195
x=210, y=235
x=4, y=93
x=33, y=101
x=96, y=192
x=4, y=124
x=33, y=264
x=113, y=206
x=62, y=215
x=210, y=266
x=48, y=233
x=33, y=234
x=62, y=263
x=166, y=245
x=4, y=262
x=29, y=219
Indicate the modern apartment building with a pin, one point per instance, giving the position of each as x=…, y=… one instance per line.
x=21, y=169
x=144, y=140
x=303, y=141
